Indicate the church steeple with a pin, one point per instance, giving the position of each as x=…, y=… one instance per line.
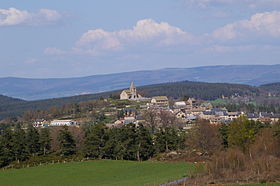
x=132, y=88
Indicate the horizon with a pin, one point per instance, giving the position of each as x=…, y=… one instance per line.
x=76, y=39
x=147, y=70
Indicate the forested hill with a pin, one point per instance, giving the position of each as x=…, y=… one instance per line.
x=5, y=100
x=272, y=87
x=206, y=91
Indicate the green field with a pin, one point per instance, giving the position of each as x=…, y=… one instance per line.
x=102, y=172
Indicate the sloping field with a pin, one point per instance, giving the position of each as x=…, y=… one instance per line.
x=103, y=172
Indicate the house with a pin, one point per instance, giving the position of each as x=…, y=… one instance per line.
x=192, y=102
x=40, y=123
x=180, y=104
x=253, y=116
x=233, y=115
x=206, y=106
x=130, y=94
x=160, y=101
x=63, y=123
x=180, y=114
x=129, y=120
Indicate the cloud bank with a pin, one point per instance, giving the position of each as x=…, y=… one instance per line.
x=146, y=31
x=261, y=24
x=150, y=35
x=13, y=17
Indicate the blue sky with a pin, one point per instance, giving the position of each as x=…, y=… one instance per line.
x=78, y=38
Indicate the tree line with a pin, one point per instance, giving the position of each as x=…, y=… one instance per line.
x=93, y=141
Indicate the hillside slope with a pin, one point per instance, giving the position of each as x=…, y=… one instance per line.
x=272, y=87
x=206, y=91
x=5, y=100
x=34, y=89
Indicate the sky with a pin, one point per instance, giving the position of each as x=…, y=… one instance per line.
x=49, y=39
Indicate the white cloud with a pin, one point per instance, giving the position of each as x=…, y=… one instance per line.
x=145, y=31
x=54, y=51
x=261, y=24
x=13, y=16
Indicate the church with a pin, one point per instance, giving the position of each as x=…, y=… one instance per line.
x=130, y=94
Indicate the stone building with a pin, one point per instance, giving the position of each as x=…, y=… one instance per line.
x=130, y=94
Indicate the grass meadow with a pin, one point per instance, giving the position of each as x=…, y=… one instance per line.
x=101, y=172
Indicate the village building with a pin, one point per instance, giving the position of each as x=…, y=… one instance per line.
x=233, y=115
x=63, y=123
x=180, y=104
x=159, y=102
x=130, y=94
x=40, y=123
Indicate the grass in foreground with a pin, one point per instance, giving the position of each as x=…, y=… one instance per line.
x=103, y=172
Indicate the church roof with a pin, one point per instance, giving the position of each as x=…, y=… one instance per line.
x=127, y=91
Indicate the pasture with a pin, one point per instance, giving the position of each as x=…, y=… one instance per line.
x=101, y=172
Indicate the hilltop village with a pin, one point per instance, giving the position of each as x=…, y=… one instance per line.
x=135, y=108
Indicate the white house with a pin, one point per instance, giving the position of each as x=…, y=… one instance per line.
x=180, y=104
x=63, y=123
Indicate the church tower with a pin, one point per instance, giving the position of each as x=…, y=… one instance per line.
x=133, y=90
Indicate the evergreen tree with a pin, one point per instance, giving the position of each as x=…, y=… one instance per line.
x=129, y=142
x=67, y=142
x=96, y=138
x=45, y=141
x=144, y=142
x=160, y=141
x=32, y=140
x=114, y=147
x=6, y=147
x=167, y=139
x=20, y=149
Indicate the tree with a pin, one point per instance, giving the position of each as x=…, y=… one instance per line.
x=67, y=142
x=32, y=140
x=20, y=149
x=150, y=117
x=45, y=141
x=224, y=134
x=242, y=133
x=115, y=146
x=129, y=142
x=95, y=141
x=167, y=139
x=167, y=119
x=6, y=147
x=204, y=137
x=144, y=142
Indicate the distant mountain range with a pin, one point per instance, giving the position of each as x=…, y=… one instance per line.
x=34, y=89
